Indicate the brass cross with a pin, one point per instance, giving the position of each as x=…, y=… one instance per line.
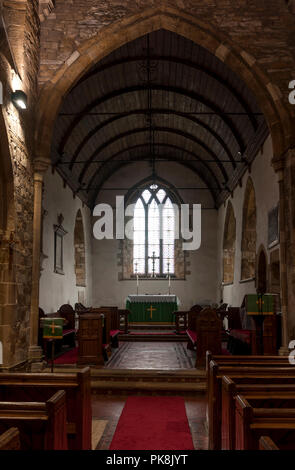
x=53, y=326
x=151, y=310
x=260, y=302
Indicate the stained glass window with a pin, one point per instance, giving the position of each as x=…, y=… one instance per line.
x=154, y=232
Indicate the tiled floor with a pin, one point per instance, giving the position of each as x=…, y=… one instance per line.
x=109, y=408
x=152, y=355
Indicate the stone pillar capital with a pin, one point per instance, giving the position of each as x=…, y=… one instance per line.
x=279, y=165
x=40, y=165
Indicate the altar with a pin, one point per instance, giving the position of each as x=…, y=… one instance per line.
x=152, y=308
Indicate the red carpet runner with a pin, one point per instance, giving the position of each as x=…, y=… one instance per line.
x=69, y=357
x=153, y=423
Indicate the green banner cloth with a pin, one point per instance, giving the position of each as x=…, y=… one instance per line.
x=52, y=328
x=151, y=312
x=259, y=304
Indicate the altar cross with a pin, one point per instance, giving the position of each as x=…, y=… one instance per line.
x=151, y=310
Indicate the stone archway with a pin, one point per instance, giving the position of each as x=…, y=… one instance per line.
x=248, y=248
x=79, y=244
x=229, y=245
x=175, y=20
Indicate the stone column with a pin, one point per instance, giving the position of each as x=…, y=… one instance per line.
x=35, y=351
x=284, y=350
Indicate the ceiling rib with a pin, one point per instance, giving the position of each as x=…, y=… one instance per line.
x=157, y=129
x=200, y=68
x=113, y=119
x=187, y=165
x=138, y=88
x=174, y=147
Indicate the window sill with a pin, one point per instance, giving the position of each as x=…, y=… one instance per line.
x=250, y=279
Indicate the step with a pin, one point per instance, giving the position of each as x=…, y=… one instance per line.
x=151, y=326
x=152, y=337
x=129, y=381
x=142, y=380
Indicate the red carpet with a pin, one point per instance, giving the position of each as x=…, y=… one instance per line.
x=69, y=357
x=153, y=423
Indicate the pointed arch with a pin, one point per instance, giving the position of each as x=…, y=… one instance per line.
x=80, y=255
x=176, y=20
x=229, y=245
x=248, y=248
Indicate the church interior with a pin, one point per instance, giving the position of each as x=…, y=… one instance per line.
x=147, y=225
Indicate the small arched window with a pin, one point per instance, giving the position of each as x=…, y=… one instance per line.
x=154, y=233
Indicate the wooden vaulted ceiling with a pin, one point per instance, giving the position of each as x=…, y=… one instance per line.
x=165, y=89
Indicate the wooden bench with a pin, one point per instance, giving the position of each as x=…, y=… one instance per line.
x=266, y=443
x=206, y=335
x=40, y=386
x=90, y=342
x=9, y=440
x=254, y=421
x=244, y=371
x=262, y=388
x=112, y=325
x=41, y=425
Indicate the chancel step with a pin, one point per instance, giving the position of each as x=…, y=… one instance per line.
x=148, y=381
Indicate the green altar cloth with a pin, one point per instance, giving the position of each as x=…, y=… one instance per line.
x=151, y=308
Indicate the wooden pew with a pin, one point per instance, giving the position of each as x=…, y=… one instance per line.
x=42, y=425
x=90, y=341
x=204, y=332
x=266, y=443
x=9, y=440
x=243, y=372
x=263, y=387
x=112, y=325
x=41, y=386
x=243, y=359
x=254, y=421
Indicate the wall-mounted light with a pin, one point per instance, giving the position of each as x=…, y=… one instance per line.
x=19, y=99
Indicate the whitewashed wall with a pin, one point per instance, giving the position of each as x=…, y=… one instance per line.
x=267, y=197
x=57, y=289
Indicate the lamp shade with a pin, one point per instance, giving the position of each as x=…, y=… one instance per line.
x=19, y=99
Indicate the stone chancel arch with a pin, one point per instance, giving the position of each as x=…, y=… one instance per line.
x=229, y=245
x=80, y=259
x=248, y=247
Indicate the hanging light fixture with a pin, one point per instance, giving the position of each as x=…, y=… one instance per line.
x=19, y=99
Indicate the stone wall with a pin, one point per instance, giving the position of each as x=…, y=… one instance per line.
x=17, y=130
x=267, y=197
x=263, y=28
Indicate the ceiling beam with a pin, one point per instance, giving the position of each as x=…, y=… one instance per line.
x=113, y=119
x=180, y=61
x=181, y=162
x=138, y=146
x=123, y=135
x=230, y=122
